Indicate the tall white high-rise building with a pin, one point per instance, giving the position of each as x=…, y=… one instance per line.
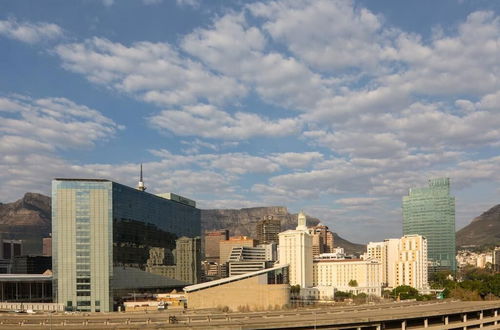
x=404, y=261
x=412, y=263
x=387, y=252
x=295, y=249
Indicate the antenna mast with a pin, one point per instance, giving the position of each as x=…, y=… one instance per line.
x=141, y=185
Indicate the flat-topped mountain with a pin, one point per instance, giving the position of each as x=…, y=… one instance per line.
x=244, y=222
x=483, y=230
x=28, y=219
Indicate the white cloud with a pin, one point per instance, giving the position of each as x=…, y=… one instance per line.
x=30, y=32
x=108, y=3
x=360, y=144
x=209, y=122
x=450, y=63
x=232, y=163
x=327, y=34
x=154, y=72
x=186, y=3
x=355, y=201
x=236, y=49
x=296, y=160
x=51, y=123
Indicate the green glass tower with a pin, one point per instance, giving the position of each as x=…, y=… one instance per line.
x=430, y=212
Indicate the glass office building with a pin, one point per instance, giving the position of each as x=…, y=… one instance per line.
x=430, y=212
x=101, y=228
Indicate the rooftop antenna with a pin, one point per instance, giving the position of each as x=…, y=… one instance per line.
x=141, y=185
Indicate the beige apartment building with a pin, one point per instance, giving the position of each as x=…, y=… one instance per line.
x=404, y=261
x=322, y=240
x=226, y=247
x=363, y=275
x=212, y=246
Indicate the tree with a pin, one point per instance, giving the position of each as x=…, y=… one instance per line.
x=405, y=292
x=341, y=295
x=295, y=289
x=353, y=283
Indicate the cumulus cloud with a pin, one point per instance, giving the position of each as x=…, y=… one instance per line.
x=209, y=122
x=297, y=160
x=234, y=48
x=32, y=131
x=30, y=33
x=361, y=110
x=450, y=63
x=327, y=34
x=153, y=72
x=51, y=123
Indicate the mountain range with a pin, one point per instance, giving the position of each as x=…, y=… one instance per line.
x=29, y=219
x=483, y=230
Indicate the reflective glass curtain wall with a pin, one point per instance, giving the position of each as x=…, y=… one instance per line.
x=98, y=225
x=430, y=212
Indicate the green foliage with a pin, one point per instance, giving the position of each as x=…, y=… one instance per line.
x=295, y=289
x=353, y=283
x=405, y=292
x=341, y=295
x=474, y=284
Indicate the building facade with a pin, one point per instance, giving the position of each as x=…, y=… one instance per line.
x=403, y=261
x=255, y=291
x=226, y=247
x=268, y=230
x=322, y=240
x=188, y=260
x=47, y=246
x=412, y=266
x=212, y=240
x=101, y=230
x=295, y=250
x=430, y=212
x=348, y=275
x=387, y=252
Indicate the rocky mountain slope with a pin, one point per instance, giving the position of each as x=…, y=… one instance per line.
x=28, y=219
x=244, y=221
x=483, y=230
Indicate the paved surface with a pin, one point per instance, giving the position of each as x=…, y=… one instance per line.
x=331, y=315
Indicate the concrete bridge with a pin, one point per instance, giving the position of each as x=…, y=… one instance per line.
x=408, y=315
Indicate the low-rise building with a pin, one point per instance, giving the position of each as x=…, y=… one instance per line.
x=255, y=291
x=348, y=275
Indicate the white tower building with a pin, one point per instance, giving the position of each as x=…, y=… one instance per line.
x=295, y=249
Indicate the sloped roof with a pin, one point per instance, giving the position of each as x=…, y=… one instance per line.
x=226, y=280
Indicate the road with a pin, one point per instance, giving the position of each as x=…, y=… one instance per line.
x=313, y=317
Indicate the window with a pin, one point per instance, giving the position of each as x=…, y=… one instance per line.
x=83, y=280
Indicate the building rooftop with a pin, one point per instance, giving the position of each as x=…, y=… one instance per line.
x=226, y=280
x=76, y=179
x=24, y=277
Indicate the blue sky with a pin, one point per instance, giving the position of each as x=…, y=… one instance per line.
x=333, y=107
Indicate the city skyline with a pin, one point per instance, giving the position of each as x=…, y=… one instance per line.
x=333, y=107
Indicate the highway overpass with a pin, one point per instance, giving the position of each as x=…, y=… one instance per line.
x=408, y=315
